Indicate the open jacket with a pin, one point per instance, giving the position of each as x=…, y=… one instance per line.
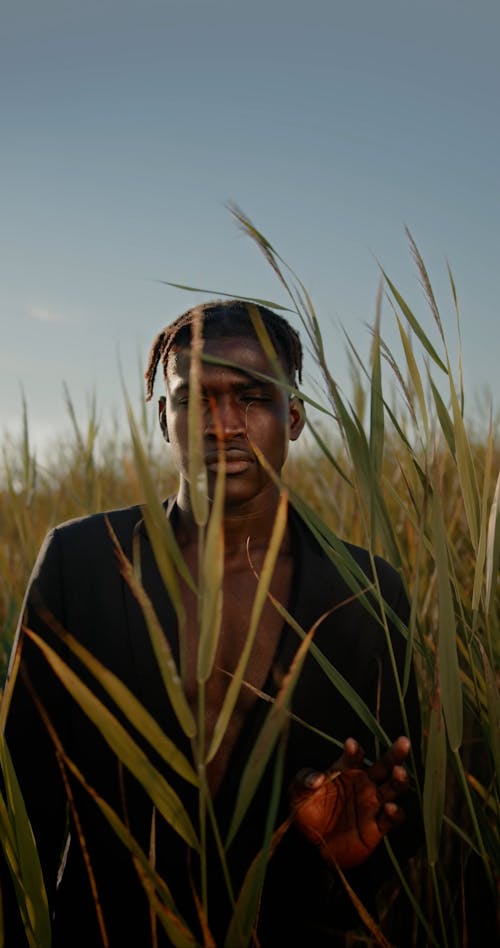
x=77, y=578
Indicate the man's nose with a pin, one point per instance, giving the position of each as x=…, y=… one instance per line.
x=226, y=415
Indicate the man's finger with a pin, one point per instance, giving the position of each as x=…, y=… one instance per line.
x=353, y=755
x=396, y=755
x=391, y=816
x=393, y=787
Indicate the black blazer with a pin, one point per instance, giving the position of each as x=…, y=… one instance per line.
x=77, y=578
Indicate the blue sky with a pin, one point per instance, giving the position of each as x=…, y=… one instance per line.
x=127, y=127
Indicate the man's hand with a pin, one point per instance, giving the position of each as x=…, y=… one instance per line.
x=348, y=809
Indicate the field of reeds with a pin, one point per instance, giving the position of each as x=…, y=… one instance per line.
x=404, y=476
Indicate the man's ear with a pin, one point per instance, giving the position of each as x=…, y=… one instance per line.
x=297, y=417
x=162, y=416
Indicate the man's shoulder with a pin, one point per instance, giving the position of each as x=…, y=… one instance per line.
x=367, y=561
x=345, y=558
x=122, y=519
x=317, y=535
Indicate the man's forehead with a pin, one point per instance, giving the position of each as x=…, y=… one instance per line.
x=245, y=354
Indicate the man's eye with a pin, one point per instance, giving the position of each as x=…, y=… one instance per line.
x=255, y=397
x=184, y=400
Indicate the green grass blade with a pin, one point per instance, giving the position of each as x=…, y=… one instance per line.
x=415, y=377
x=212, y=576
x=415, y=325
x=166, y=550
x=233, y=296
x=434, y=784
x=159, y=642
x=325, y=451
x=376, y=407
x=412, y=896
x=266, y=377
x=266, y=740
x=483, y=527
x=336, y=678
x=493, y=706
x=466, y=469
x=163, y=905
x=7, y=843
x=198, y=488
x=337, y=552
x=449, y=672
x=128, y=704
x=262, y=590
x=247, y=903
x=22, y=856
x=493, y=550
x=444, y=418
x=120, y=742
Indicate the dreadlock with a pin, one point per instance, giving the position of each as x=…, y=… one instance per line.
x=225, y=318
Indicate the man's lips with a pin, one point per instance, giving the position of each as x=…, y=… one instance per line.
x=236, y=460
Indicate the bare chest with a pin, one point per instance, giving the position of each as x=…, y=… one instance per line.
x=239, y=590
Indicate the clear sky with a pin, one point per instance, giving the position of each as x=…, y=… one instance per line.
x=126, y=127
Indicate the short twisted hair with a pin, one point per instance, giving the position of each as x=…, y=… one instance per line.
x=226, y=318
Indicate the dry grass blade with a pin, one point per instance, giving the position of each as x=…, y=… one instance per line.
x=208, y=939
x=6, y=697
x=426, y=283
x=121, y=743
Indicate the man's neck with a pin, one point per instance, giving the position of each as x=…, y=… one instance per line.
x=243, y=524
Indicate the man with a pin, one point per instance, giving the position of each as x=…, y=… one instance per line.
x=331, y=811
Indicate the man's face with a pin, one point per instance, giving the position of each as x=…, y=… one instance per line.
x=248, y=411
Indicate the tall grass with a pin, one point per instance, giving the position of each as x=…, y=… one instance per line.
x=403, y=476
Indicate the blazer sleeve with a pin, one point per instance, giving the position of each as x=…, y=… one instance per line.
x=27, y=738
